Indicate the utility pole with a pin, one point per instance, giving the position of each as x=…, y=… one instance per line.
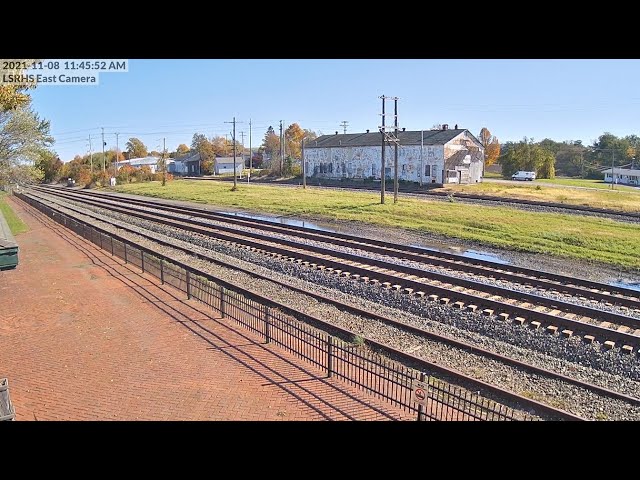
x=115, y=162
x=382, y=178
x=304, y=167
x=281, y=150
x=387, y=138
x=164, y=162
x=344, y=126
x=235, y=175
x=104, y=162
x=613, y=158
x=91, y=154
x=395, y=156
x=250, y=154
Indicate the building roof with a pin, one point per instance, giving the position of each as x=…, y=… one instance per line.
x=412, y=137
x=141, y=161
x=220, y=160
x=623, y=171
x=189, y=157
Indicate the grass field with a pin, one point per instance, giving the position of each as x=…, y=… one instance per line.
x=588, y=238
x=622, y=198
x=15, y=224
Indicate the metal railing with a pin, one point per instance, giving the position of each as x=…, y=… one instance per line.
x=348, y=361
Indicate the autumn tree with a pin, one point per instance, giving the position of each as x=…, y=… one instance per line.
x=136, y=148
x=529, y=156
x=491, y=147
x=23, y=136
x=271, y=145
x=221, y=146
x=49, y=164
x=12, y=95
x=182, y=149
x=202, y=145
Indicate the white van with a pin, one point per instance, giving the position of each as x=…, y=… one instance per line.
x=522, y=175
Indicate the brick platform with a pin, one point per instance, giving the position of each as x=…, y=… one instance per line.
x=86, y=337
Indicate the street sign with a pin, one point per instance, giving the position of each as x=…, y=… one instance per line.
x=419, y=392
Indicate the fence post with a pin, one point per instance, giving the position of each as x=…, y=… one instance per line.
x=125, y=252
x=329, y=356
x=161, y=272
x=188, y=285
x=420, y=406
x=111, y=246
x=267, y=324
x=222, y=305
x=142, y=260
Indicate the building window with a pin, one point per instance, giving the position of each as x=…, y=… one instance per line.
x=427, y=170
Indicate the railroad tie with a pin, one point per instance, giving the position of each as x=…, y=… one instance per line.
x=420, y=294
x=364, y=279
x=519, y=320
x=552, y=329
x=374, y=281
x=396, y=287
x=535, y=324
x=567, y=333
x=503, y=316
x=432, y=298
x=337, y=271
x=458, y=305
x=472, y=308
x=609, y=344
x=444, y=300
x=386, y=284
x=589, y=338
x=355, y=276
x=345, y=274
x=627, y=349
x=408, y=291
x=487, y=312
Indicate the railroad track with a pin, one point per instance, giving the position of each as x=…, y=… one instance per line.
x=543, y=280
x=565, y=318
x=522, y=401
x=385, y=319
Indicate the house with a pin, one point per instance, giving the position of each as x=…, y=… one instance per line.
x=152, y=162
x=224, y=165
x=623, y=176
x=424, y=156
x=188, y=164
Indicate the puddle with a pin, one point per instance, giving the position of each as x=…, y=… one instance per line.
x=282, y=221
x=630, y=285
x=476, y=254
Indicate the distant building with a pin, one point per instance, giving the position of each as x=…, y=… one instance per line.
x=150, y=161
x=624, y=176
x=188, y=164
x=424, y=156
x=224, y=165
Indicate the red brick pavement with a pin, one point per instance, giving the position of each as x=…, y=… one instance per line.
x=85, y=337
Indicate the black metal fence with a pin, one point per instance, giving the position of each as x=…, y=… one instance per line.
x=426, y=396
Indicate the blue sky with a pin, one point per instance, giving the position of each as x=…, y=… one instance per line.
x=173, y=99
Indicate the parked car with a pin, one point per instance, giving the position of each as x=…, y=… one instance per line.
x=522, y=175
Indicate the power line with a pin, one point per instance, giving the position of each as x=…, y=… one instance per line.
x=344, y=126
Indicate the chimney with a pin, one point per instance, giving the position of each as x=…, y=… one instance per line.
x=445, y=126
x=336, y=132
x=367, y=130
x=403, y=129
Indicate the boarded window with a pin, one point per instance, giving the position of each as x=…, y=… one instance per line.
x=427, y=170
